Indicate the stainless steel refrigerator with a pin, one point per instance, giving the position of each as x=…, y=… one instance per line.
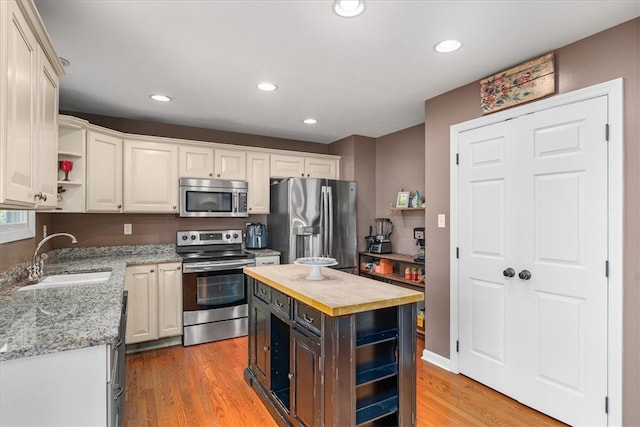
x=314, y=217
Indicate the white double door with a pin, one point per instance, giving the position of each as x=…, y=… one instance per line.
x=533, y=199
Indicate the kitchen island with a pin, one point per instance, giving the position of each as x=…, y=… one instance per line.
x=337, y=352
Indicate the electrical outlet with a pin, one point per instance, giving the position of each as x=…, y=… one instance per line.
x=127, y=229
x=441, y=221
x=44, y=231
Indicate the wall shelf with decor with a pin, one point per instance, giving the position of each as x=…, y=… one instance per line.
x=394, y=209
x=71, y=148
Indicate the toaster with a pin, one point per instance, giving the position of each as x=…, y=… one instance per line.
x=256, y=236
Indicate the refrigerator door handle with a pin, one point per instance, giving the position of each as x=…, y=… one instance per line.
x=323, y=219
x=329, y=248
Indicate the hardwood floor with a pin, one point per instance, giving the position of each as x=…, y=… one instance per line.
x=203, y=385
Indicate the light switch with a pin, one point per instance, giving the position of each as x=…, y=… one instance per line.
x=127, y=229
x=441, y=221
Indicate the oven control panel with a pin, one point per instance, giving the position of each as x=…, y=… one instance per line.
x=208, y=237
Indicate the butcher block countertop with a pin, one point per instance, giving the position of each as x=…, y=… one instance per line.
x=338, y=294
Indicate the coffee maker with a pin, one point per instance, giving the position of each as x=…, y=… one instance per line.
x=380, y=243
x=418, y=234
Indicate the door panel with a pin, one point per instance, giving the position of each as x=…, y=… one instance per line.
x=485, y=222
x=564, y=244
x=533, y=196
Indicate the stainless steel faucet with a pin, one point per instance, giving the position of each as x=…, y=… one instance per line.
x=37, y=268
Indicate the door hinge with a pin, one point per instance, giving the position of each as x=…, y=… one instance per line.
x=457, y=159
x=458, y=253
x=606, y=132
x=457, y=346
x=606, y=404
x=606, y=268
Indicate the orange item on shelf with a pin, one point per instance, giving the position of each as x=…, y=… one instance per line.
x=386, y=267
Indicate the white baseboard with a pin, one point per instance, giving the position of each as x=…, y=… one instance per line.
x=436, y=359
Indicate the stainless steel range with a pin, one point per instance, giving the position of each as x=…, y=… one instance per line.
x=214, y=290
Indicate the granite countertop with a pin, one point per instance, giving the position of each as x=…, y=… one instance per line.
x=43, y=321
x=338, y=294
x=263, y=252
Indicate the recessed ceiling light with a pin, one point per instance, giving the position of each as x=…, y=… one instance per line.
x=309, y=121
x=64, y=61
x=161, y=98
x=348, y=8
x=446, y=46
x=267, y=86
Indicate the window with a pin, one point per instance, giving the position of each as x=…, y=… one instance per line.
x=17, y=225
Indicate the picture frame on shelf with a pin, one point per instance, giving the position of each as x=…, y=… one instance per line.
x=403, y=199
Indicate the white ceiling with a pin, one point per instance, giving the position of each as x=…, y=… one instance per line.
x=367, y=76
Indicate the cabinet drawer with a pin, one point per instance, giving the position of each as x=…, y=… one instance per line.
x=268, y=260
x=308, y=317
x=262, y=291
x=281, y=303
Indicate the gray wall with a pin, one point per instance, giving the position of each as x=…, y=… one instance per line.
x=605, y=56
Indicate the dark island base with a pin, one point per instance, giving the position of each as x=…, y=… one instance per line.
x=312, y=369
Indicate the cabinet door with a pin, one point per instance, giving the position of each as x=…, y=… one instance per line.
x=258, y=180
x=286, y=166
x=47, y=131
x=231, y=164
x=320, y=168
x=195, y=161
x=104, y=173
x=169, y=299
x=306, y=381
x=150, y=177
x=20, y=56
x=142, y=317
x=261, y=341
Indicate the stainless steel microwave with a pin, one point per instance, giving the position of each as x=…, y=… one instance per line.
x=213, y=198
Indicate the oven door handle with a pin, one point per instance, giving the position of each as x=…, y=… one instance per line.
x=196, y=267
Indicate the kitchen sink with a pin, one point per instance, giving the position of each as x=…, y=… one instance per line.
x=74, y=279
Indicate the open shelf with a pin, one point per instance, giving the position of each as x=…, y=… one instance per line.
x=407, y=209
x=377, y=337
x=377, y=409
x=376, y=374
x=63, y=153
x=69, y=183
x=393, y=277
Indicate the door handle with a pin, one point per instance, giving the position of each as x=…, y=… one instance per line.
x=509, y=272
x=525, y=275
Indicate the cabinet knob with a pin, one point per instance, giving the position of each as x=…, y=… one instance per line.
x=152, y=270
x=302, y=174
x=174, y=208
x=211, y=174
x=178, y=267
x=41, y=196
x=119, y=206
x=308, y=175
x=266, y=348
x=218, y=175
x=290, y=376
x=250, y=208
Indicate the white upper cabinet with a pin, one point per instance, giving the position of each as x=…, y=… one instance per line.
x=195, y=161
x=150, y=177
x=231, y=164
x=316, y=167
x=258, y=181
x=47, y=133
x=28, y=113
x=284, y=166
x=104, y=173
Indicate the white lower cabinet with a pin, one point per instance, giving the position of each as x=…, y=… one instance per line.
x=155, y=301
x=68, y=388
x=268, y=260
